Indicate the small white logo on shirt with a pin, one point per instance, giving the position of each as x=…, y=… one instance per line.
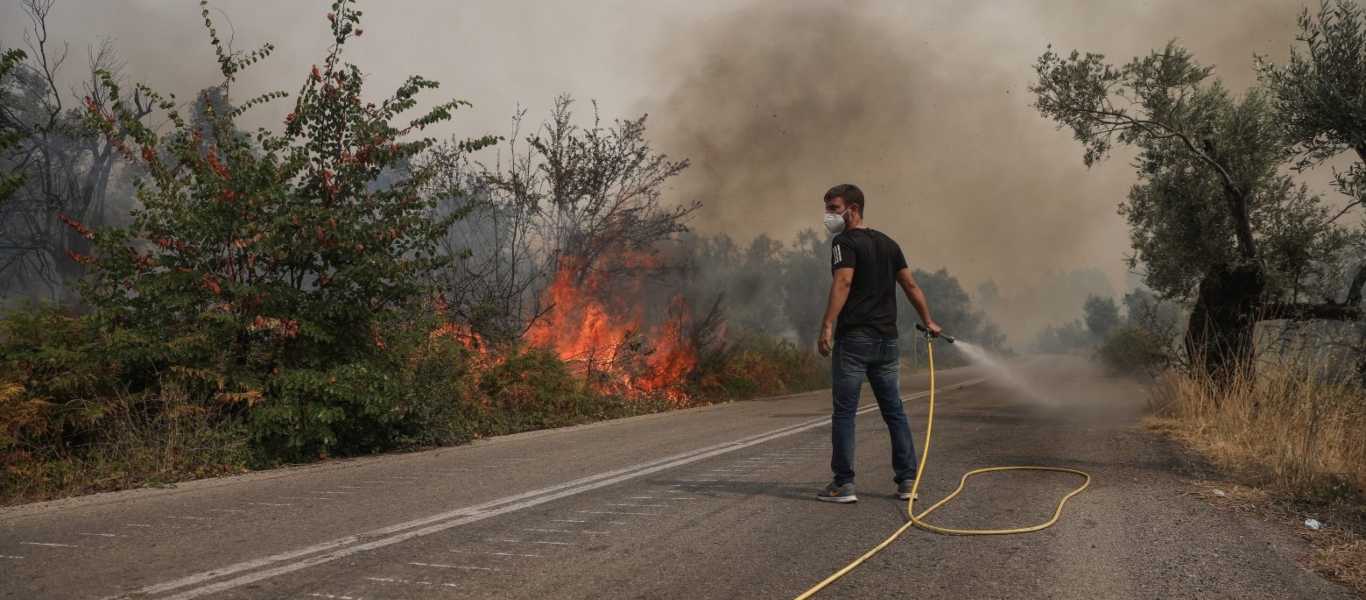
x=837, y=255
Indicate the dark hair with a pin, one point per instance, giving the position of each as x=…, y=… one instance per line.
x=849, y=192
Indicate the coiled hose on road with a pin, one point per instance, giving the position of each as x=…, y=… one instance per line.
x=916, y=520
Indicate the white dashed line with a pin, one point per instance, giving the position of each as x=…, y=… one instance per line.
x=410, y=582
x=102, y=534
x=559, y=531
x=465, y=567
x=500, y=553
x=48, y=545
x=268, y=504
x=616, y=512
x=11, y=557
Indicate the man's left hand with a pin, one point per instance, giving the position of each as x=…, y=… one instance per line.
x=826, y=343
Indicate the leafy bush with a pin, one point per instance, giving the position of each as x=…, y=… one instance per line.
x=268, y=268
x=1135, y=351
x=751, y=365
x=69, y=424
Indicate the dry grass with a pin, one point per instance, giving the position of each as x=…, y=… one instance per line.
x=1297, y=438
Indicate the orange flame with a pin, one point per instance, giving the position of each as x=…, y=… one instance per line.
x=596, y=322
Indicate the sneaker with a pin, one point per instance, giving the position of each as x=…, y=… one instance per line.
x=903, y=490
x=843, y=494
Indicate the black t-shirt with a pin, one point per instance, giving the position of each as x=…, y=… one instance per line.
x=870, y=310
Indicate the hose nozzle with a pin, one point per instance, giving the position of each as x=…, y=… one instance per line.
x=922, y=329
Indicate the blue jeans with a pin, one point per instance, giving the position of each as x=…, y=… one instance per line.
x=880, y=361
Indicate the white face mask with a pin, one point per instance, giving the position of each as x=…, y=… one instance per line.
x=835, y=223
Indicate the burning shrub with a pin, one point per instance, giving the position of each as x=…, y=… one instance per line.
x=598, y=322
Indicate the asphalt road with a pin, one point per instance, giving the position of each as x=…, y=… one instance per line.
x=707, y=503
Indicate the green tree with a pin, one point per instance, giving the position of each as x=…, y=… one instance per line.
x=1320, y=93
x=1213, y=218
x=1101, y=316
x=275, y=263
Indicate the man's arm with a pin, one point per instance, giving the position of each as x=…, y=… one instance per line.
x=917, y=298
x=839, y=294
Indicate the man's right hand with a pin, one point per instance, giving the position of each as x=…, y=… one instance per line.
x=934, y=329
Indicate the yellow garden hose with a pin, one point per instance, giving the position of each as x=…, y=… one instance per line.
x=915, y=520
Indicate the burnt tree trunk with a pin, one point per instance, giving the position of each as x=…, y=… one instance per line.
x=1219, y=339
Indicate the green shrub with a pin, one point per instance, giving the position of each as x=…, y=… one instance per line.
x=269, y=267
x=71, y=423
x=751, y=365
x=1134, y=352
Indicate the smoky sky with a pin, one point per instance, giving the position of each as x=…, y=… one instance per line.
x=925, y=108
x=922, y=104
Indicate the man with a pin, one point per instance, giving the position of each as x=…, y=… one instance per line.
x=868, y=266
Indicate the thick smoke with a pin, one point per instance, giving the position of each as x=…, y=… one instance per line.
x=925, y=106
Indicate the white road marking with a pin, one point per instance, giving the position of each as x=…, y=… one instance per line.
x=268, y=504
x=312, y=492
x=634, y=505
x=500, y=553
x=560, y=531
x=466, y=567
x=350, y=545
x=641, y=498
x=137, y=525
x=11, y=557
x=404, y=477
x=102, y=534
x=533, y=542
x=48, y=545
x=336, y=597
x=226, y=510
x=189, y=518
x=410, y=582
x=350, y=487
x=616, y=512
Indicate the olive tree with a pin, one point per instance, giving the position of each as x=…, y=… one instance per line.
x=1213, y=218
